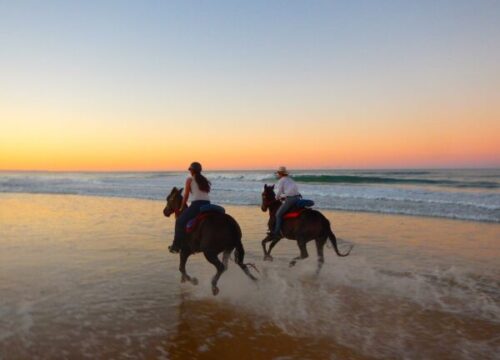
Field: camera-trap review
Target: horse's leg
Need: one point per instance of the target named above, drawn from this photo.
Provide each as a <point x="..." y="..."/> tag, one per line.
<point x="267" y="256"/>
<point x="182" y="267"/>
<point x="239" y="256"/>
<point x="273" y="243"/>
<point x="303" y="252"/>
<point x="320" y="243"/>
<point x="214" y="260"/>
<point x="225" y="257"/>
<point x="245" y="269"/>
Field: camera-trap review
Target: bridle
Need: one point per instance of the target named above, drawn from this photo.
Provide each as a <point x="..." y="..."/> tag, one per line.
<point x="177" y="211"/>
<point x="267" y="200"/>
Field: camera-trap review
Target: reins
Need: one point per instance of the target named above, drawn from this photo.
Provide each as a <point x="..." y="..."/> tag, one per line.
<point x="269" y="203"/>
<point x="178" y="211"/>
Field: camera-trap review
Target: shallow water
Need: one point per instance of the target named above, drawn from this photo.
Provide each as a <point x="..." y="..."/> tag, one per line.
<point x="91" y="277"/>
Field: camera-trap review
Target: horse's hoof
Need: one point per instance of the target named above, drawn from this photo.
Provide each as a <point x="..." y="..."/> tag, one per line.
<point x="194" y="281"/>
<point x="268" y="258"/>
<point x="292" y="263"/>
<point x="215" y="290"/>
<point x="183" y="279"/>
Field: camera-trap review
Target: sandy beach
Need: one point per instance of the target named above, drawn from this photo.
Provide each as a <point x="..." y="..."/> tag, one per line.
<point x="91" y="277"/>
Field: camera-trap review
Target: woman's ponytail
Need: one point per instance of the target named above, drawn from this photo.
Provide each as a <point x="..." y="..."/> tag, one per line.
<point x="202" y="182"/>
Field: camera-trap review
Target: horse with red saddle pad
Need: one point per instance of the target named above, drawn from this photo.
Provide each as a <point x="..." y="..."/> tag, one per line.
<point x="301" y="223"/>
<point x="293" y="214"/>
<point x="212" y="232"/>
<point x="193" y="223"/>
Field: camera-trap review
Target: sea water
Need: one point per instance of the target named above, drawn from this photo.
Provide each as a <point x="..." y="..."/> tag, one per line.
<point x="472" y="194"/>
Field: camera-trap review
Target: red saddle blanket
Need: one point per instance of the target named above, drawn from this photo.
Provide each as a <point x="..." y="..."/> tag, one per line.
<point x="293" y="214"/>
<point x="193" y="223"/>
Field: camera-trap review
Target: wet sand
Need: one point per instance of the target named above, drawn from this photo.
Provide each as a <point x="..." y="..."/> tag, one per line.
<point x="91" y="277"/>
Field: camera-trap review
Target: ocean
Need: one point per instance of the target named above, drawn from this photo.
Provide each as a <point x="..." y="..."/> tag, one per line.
<point x="471" y="194"/>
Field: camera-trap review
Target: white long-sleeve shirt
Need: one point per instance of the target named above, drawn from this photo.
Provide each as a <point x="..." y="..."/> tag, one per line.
<point x="286" y="187"/>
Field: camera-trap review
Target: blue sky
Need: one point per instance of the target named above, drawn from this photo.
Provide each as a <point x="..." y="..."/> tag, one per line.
<point x="319" y="64"/>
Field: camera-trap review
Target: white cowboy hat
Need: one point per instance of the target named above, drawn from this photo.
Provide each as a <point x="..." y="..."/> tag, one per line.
<point x="282" y="170"/>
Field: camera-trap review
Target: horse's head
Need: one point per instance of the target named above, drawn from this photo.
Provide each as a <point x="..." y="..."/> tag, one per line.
<point x="268" y="196"/>
<point x="174" y="201"/>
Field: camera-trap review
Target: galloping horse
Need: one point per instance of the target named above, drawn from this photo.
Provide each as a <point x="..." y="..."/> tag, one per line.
<point x="216" y="233"/>
<point x="308" y="225"/>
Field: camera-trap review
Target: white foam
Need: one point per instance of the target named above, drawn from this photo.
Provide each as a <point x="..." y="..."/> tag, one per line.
<point x="354" y="301"/>
<point x="245" y="188"/>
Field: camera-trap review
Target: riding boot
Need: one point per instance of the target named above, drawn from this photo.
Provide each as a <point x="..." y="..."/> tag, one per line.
<point x="180" y="233"/>
<point x="174" y="248"/>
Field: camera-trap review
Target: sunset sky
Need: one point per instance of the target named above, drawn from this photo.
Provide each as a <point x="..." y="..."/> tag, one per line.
<point x="154" y="85"/>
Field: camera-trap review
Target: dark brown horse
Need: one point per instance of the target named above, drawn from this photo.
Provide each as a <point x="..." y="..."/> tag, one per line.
<point x="309" y="225"/>
<point x="216" y="233"/>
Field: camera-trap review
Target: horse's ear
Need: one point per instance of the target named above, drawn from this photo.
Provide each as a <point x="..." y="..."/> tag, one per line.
<point x="265" y="186"/>
<point x="180" y="190"/>
<point x="272" y="187"/>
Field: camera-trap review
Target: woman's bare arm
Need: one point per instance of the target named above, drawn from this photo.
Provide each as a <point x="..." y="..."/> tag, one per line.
<point x="187" y="191"/>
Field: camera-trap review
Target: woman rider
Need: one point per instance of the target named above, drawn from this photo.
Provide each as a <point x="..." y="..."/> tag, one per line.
<point x="197" y="188"/>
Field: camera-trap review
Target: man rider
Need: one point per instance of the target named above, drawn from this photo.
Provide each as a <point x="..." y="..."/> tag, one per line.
<point x="288" y="193"/>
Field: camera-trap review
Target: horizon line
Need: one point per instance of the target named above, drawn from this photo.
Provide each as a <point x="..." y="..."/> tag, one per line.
<point x="257" y="169"/>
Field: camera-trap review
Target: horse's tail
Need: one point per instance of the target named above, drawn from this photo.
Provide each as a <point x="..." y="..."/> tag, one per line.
<point x="333" y="240"/>
<point x="236" y="227"/>
<point x="239" y="255"/>
<point x="239" y="252"/>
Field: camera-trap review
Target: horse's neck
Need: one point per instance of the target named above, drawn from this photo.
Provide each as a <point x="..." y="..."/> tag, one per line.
<point x="273" y="208"/>
<point x="178" y="211"/>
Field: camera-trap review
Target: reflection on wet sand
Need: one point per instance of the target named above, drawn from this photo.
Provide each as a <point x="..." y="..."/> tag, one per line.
<point x="209" y="329"/>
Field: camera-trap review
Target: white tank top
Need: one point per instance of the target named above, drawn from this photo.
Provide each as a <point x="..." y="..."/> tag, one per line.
<point x="196" y="193"/>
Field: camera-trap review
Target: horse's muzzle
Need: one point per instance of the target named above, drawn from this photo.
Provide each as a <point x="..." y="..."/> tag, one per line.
<point x="167" y="212"/>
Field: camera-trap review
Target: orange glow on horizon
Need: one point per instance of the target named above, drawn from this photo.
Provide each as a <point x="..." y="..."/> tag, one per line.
<point x="354" y="151"/>
<point x="424" y="139"/>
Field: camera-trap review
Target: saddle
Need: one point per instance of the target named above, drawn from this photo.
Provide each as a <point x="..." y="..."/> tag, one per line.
<point x="300" y="206"/>
<point x="205" y="211"/>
